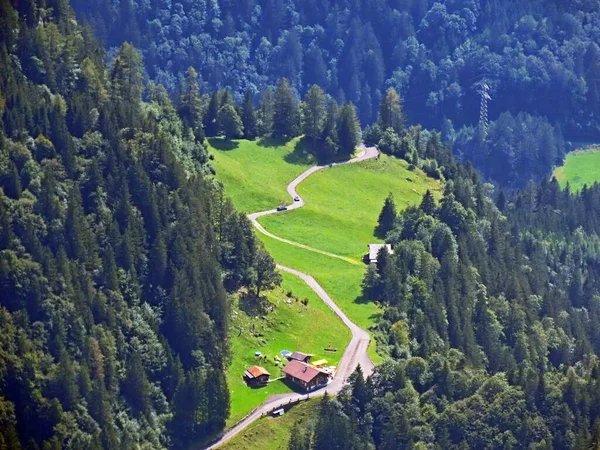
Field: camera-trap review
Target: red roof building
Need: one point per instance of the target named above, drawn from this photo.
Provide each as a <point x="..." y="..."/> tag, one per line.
<point x="305" y="376"/>
<point x="256" y="375"/>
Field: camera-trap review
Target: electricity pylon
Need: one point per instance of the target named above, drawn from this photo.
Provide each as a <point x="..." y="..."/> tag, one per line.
<point x="484" y="90"/>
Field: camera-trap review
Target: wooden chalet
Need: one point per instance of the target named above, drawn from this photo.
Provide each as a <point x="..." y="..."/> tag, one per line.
<point x="306" y="377"/>
<point x="299" y="356"/>
<point x="256" y="376"/>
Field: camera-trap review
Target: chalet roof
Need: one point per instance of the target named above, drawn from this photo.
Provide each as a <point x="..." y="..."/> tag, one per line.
<point x="374" y="250"/>
<point x="301" y="371"/>
<point x="256" y="371"/>
<point x="298" y="356"/>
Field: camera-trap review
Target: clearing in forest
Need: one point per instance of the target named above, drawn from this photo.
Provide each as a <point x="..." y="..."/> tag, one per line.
<point x="278" y="322"/>
<point x="580" y="167"/>
<point x="342" y="206"/>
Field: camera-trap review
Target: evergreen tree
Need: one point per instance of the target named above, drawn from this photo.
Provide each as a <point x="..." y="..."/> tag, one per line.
<point x="428" y="203"/>
<point x="285" y="111"/>
<point x="390" y="112"/>
<point x="348" y="129"/>
<point x="230" y="123"/>
<point x="387" y="216"/>
<point x="248" y="117"/>
<point x="190" y="103"/>
<point x="211" y="117"/>
<point x="127" y="85"/>
<point x="135" y="386"/>
<point x="265" y="113"/>
<point x="313" y="109"/>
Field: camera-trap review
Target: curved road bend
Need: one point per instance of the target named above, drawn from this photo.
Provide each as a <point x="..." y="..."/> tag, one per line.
<point x="356" y="351"/>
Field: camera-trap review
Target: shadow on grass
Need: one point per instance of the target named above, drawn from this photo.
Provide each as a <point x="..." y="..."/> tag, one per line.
<point x="362" y="300"/>
<point x="223" y="144"/>
<point x="270" y="142"/>
<point x="253" y="305"/>
<point x="301" y="154"/>
<point x="293" y="386"/>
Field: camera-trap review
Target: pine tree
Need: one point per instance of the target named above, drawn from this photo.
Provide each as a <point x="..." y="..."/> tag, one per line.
<point x="390" y="112"/>
<point x="387" y="217"/>
<point x="248" y="117"/>
<point x="348" y="129"/>
<point x="428" y="203"/>
<point x="127" y="85"/>
<point x="265" y="113"/>
<point x="136" y="387"/>
<point x="190" y="103"/>
<point x="230" y="123"/>
<point x="313" y="109"/>
<point x="266" y="275"/>
<point x="285" y="111"/>
<point x="210" y="121"/>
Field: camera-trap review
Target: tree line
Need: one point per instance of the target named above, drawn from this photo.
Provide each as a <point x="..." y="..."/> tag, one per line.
<point x="539" y="58"/>
<point x="117" y="252"/>
<point x="489" y="326"/>
<point x="329" y="129"/>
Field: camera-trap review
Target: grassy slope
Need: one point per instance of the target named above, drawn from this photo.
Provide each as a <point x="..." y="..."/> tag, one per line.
<point x="287" y="327"/>
<point x="346" y="198"/>
<point x="273" y="433"/>
<point x="255" y="174"/>
<point x="580" y="167"/>
<point x="344" y="202"/>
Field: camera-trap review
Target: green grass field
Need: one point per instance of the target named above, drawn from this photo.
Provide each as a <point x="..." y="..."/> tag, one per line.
<point x="290" y="325"/>
<point x="344" y="202"/>
<point x="271" y="433"/>
<point x="580" y="167"/>
<point x="256" y="173"/>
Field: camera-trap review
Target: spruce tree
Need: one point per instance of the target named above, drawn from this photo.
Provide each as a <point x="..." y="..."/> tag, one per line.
<point x="190" y="103"/>
<point x="248" y="117"/>
<point x="264" y="115"/>
<point x="390" y="112"/>
<point x="210" y="121"/>
<point x="348" y="129"/>
<point x="428" y="203"/>
<point x="285" y="111"/>
<point x="230" y="123"/>
<point x="313" y="109"/>
<point x="387" y="216"/>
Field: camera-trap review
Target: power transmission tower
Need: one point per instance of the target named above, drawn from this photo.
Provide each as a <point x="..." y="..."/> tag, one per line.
<point x="484" y="90"/>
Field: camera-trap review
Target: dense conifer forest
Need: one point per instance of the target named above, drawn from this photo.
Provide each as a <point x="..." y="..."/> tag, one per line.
<point x="491" y="324"/>
<point x="115" y="250"/>
<point x="119" y="251"/>
<point x="540" y="58"/>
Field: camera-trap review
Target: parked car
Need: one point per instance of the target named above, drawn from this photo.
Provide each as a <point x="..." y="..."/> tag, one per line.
<point x="281" y="208"/>
<point x="296" y="198"/>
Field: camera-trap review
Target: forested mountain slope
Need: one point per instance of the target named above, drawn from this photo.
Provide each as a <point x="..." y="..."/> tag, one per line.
<point x="491" y="324"/>
<point x="114" y="249"/>
<point x="539" y="57"/>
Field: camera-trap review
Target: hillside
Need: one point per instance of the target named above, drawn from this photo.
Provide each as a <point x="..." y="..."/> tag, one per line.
<point x="344" y="202"/>
<point x="281" y="323"/>
<point x="114" y="313"/>
<point x="581" y="167"/>
<point x="345" y="198"/>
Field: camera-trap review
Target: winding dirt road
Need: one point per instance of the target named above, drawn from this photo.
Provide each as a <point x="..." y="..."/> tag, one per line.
<point x="356" y="351"/>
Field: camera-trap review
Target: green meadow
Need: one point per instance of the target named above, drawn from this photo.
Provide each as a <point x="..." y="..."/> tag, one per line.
<point x="279" y="322"/>
<point x="344" y="202"/>
<point x="273" y="433"/>
<point x="342" y="206"/>
<point x="580" y="167"/>
<point x="256" y="173"/>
